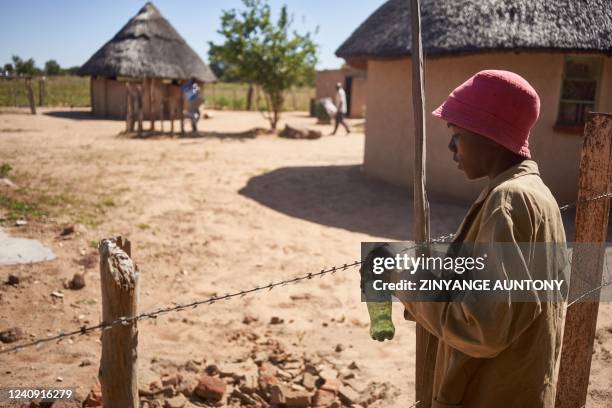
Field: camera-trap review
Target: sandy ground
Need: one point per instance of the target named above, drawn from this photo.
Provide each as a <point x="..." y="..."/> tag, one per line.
<point x="213" y="214"/>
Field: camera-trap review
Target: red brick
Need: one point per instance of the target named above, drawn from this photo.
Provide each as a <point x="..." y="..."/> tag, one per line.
<point x="210" y="388"/>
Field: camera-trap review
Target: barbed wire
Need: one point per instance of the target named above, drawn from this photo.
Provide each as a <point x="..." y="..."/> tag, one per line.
<point x="126" y="321"/>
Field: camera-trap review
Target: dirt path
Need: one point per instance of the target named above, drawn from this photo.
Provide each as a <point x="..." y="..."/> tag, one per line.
<point x="210" y="215"/>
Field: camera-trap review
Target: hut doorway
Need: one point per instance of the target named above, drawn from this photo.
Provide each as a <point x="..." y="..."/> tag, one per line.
<point x="348" y="88"/>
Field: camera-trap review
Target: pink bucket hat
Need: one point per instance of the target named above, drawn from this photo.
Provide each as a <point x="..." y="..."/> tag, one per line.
<point x="500" y="105"/>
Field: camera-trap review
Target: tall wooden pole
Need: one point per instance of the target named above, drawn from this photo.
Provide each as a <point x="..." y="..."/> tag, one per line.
<point x="129" y="104"/>
<point x="41" y="91"/>
<point x="151" y="101"/>
<point x="119" y="359"/>
<point x="140" y="98"/>
<point x="182" y="112"/>
<point x="587" y="261"/>
<point x="28" y="84"/>
<point x="426" y="344"/>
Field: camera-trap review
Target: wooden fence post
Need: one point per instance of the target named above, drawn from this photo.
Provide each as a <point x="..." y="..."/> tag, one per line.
<point x="119" y="360"/>
<point x="140" y="98"/>
<point x="587" y="261"/>
<point x="42" y="91"/>
<point x="172" y="114"/>
<point x="426" y="343"/>
<point x="162" y="106"/>
<point x="182" y="112"/>
<point x="151" y="100"/>
<point x="129" y="104"/>
<point x="28" y="84"/>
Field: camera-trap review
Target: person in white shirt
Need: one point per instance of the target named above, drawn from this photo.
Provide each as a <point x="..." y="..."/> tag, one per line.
<point x="341" y="109"/>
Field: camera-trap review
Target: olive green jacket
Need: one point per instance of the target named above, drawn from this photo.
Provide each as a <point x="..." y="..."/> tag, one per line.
<point x="506" y="354"/>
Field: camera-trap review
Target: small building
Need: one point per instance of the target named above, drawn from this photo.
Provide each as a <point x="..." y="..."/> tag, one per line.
<point x="562" y="47"/>
<point x="354" y="83"/>
<point x="146" y="51"/>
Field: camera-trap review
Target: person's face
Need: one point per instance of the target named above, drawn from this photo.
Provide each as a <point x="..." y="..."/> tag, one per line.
<point x="472" y="152"/>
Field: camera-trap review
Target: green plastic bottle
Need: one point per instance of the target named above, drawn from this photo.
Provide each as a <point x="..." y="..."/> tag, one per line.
<point x="381" y="323"/>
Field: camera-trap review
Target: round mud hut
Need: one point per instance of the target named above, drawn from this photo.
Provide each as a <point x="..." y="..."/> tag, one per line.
<point x="562" y="47"/>
<point x="141" y="68"/>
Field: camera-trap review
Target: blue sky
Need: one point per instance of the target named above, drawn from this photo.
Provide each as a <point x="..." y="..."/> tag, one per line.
<point x="70" y="31"/>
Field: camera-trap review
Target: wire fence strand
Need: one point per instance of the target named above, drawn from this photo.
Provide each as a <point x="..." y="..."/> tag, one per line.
<point x="124" y="321"/>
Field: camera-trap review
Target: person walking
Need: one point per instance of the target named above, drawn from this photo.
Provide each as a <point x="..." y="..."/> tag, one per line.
<point x="193" y="100"/>
<point x="340" y="109"/>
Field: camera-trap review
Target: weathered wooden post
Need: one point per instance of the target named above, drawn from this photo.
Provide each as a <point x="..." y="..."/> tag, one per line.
<point x="140" y="98"/>
<point x="182" y="112"/>
<point x="129" y="104"/>
<point x="28" y="84"/>
<point x="587" y="261"/>
<point x="172" y="115"/>
<point x="42" y="91"/>
<point x="119" y="361"/>
<point x="426" y="343"/>
<point x="151" y="99"/>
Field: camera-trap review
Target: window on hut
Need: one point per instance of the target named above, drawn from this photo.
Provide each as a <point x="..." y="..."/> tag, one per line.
<point x="579" y="90"/>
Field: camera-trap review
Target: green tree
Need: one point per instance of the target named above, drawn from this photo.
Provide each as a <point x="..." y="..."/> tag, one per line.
<point x="8" y="68"/>
<point x="52" y="68"/>
<point x="71" y="70"/>
<point x="265" y="53"/>
<point x="24" y="67"/>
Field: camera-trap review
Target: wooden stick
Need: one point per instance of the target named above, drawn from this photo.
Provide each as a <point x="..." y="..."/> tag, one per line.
<point x="128" y="108"/>
<point x="119" y="361"/>
<point x="28" y="84"/>
<point x="182" y="112"/>
<point x="151" y="99"/>
<point x="140" y="107"/>
<point x="587" y="261"/>
<point x="162" y="106"/>
<point x="41" y="91"/>
<point x="172" y="114"/>
<point x="426" y="343"/>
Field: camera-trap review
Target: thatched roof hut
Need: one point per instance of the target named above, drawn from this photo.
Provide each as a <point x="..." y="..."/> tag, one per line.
<point x="461" y="27"/>
<point x="146" y="48"/>
<point x="562" y="47"/>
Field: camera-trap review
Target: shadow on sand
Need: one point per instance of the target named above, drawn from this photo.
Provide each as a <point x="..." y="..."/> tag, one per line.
<point x="341" y="197"/>
<point x="77" y="115"/>
<point x="147" y="134"/>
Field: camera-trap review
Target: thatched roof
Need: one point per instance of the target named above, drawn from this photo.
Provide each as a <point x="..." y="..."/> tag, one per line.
<point x="147" y="46"/>
<point x="454" y="27"/>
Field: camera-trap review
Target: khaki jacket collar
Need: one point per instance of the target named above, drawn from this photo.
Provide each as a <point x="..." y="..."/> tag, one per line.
<point x="518" y="170"/>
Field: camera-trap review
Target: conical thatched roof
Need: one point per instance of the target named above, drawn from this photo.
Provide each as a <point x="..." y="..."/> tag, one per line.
<point x="452" y="27"/>
<point x="147" y="46"/>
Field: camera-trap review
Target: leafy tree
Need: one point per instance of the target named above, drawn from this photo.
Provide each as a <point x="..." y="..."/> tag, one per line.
<point x="218" y="67"/>
<point x="265" y="53"/>
<point x="27" y="67"/>
<point x="52" y="68"/>
<point x="71" y="70"/>
<point x="8" y="68"/>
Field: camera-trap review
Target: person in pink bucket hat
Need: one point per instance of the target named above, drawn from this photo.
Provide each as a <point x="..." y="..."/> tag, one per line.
<point x="494" y="353"/>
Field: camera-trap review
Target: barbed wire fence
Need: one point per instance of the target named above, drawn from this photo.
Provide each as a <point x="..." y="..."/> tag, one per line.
<point x="153" y="314"/>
